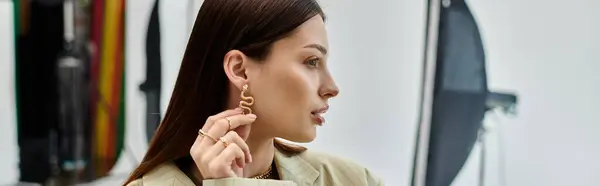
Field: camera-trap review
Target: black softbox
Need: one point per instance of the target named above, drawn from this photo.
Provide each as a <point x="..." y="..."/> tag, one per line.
<point x="459" y="94"/>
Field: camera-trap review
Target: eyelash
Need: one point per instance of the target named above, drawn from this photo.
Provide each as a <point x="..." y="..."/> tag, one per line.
<point x="316" y="61"/>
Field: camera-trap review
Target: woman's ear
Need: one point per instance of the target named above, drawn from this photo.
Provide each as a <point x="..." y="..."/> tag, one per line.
<point x="235" y="65"/>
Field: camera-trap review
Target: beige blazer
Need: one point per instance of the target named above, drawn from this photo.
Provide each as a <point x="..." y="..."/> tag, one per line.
<point x="304" y="169"/>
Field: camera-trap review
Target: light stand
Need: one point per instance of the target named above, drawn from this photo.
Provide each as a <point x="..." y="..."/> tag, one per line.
<point x="505" y="102"/>
<point x="69" y="159"/>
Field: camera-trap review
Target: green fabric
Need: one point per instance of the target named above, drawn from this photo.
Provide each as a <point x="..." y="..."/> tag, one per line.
<point x="17" y="13"/>
<point x="121" y="120"/>
<point x="122" y="106"/>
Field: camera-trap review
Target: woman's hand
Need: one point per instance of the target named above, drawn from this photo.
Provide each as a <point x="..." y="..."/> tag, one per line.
<point x="222" y="152"/>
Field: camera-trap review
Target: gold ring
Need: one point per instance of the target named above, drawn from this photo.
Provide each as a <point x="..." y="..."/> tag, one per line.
<point x="202" y="133"/>
<point x="225" y="143"/>
<point x="228" y="122"/>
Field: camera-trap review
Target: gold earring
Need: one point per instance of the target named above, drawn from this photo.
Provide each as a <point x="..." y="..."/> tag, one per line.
<point x="247" y="101"/>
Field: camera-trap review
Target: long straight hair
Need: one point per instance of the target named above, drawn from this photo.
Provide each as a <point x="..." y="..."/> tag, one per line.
<point x="251" y="26"/>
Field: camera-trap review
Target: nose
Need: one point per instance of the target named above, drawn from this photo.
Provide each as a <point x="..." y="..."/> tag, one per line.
<point x="329" y="89"/>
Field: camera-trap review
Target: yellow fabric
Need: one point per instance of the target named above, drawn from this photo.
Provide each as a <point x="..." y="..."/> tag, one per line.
<point x="305" y="169"/>
<point x="107" y="68"/>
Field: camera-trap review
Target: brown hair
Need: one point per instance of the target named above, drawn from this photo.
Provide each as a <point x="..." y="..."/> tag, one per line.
<point x="251" y="26"/>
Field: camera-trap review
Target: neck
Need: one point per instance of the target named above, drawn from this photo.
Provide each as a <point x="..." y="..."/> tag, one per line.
<point x="263" y="151"/>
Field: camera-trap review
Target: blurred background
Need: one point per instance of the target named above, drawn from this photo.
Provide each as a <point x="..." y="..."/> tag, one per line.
<point x="442" y="92"/>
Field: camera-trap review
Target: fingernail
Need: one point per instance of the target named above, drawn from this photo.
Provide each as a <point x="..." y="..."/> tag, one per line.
<point x="252" y="116"/>
<point x="238" y="109"/>
<point x="250" y="158"/>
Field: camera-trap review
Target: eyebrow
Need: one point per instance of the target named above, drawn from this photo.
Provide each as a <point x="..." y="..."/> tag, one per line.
<point x="321" y="48"/>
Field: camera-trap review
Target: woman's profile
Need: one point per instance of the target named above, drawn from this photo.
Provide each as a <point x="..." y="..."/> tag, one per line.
<point x="253" y="71"/>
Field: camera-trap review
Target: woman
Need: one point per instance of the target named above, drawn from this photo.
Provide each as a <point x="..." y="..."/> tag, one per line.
<point x="253" y="70"/>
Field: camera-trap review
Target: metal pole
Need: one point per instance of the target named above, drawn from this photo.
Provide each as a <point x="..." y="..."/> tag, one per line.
<point x="72" y="94"/>
<point x="424" y="127"/>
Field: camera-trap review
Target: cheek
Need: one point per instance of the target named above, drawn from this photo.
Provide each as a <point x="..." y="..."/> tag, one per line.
<point x="294" y="86"/>
<point x="287" y="93"/>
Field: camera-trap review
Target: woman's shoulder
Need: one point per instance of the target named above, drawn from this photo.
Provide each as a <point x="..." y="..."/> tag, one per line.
<point x="167" y="174"/>
<point x="136" y="182"/>
<point x="321" y="159"/>
<point x="335" y="166"/>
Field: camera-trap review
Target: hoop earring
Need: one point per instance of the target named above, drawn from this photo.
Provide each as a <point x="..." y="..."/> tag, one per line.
<point x="247" y="101"/>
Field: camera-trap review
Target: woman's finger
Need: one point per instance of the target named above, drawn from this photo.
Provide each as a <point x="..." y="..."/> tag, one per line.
<point x="209" y="123"/>
<point x="232" y="152"/>
<point x="222" y="126"/>
<point x="214" y="118"/>
<point x="229" y="138"/>
<point x="197" y="147"/>
<point x="234" y="137"/>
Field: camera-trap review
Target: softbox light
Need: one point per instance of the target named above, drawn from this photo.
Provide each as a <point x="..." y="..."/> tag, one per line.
<point x="459" y="95"/>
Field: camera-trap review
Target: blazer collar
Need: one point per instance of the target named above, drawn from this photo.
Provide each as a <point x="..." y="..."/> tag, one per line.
<point x="290" y="167"/>
<point x="293" y="167"/>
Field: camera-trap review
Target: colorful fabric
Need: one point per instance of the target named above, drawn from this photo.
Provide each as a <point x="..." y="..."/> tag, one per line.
<point x="108" y="78"/>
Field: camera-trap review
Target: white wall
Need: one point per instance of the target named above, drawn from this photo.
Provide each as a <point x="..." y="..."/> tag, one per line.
<point x="548" y="51"/>
<point x="8" y="130"/>
<point x="376" y="60"/>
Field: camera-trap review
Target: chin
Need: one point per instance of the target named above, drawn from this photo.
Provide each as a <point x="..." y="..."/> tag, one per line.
<point x="306" y="136"/>
<point x="306" y="139"/>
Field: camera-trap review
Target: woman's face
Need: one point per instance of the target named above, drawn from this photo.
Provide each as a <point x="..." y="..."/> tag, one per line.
<point x="292" y="86"/>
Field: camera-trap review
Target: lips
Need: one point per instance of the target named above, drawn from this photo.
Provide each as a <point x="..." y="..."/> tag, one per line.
<point x="318" y="115"/>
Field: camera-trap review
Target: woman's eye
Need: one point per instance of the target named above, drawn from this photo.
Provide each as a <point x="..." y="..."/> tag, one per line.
<point x="313" y="62"/>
